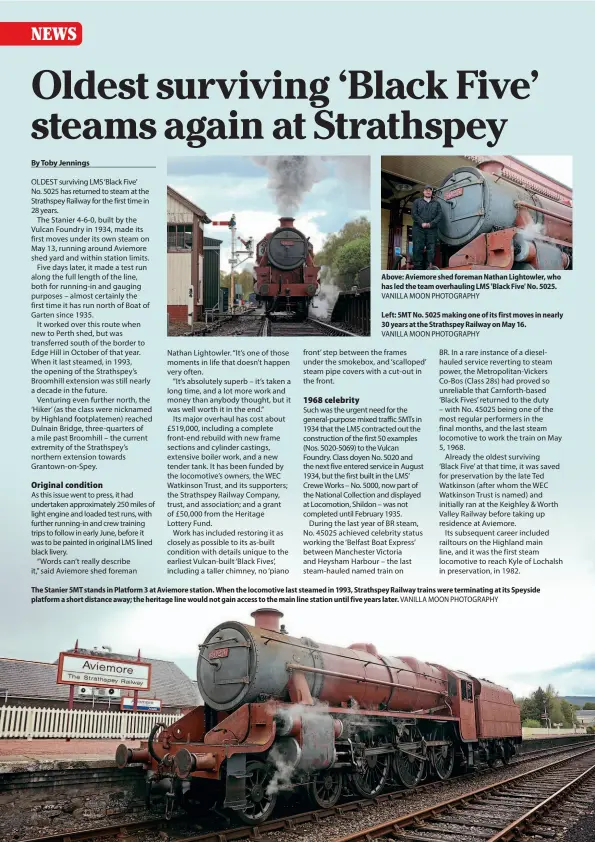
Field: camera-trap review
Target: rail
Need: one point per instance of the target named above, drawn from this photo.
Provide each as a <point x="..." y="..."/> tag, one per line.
<point x="287" y="823"/>
<point x="427" y="818"/>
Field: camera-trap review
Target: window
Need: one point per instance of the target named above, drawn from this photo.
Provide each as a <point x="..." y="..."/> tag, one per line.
<point x="467" y="691"/>
<point x="179" y="237"/>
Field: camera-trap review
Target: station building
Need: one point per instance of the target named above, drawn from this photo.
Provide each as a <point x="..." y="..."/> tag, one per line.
<point x="185" y="257"/>
<point x="33" y="684"/>
<point x="586" y="717"/>
<point x="402" y="181"/>
<point x="212" y="274"/>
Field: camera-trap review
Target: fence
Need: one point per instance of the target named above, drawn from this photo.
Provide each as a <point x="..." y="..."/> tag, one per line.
<point x="538" y="733"/>
<point x="33" y="723"/>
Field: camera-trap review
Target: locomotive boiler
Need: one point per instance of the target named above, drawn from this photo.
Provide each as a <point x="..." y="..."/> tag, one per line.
<point x="283" y="712"/>
<point x="285" y="277"/>
<point x="493" y="217"/>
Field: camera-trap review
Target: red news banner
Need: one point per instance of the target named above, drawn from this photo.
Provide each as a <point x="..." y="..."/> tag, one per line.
<point x="40" y="34"/>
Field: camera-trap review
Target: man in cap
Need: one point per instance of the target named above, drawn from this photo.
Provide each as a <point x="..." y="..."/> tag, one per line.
<point x="426" y="215"/>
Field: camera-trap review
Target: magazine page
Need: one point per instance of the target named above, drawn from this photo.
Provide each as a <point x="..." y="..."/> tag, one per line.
<point x="297" y="508"/>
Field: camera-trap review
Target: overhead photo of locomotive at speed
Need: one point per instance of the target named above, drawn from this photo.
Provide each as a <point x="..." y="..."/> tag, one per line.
<point x="476" y="212"/>
<point x="268" y="246"/>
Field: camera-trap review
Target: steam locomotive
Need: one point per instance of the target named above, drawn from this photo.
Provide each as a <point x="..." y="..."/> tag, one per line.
<point x="283" y="712"/>
<point x="492" y="217"/>
<point x="285" y="277"/>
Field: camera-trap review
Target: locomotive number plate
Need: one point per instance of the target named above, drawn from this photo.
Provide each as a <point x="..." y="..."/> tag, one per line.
<point x="287" y="242"/>
<point x="219" y="653"/>
<point x="452" y="193"/>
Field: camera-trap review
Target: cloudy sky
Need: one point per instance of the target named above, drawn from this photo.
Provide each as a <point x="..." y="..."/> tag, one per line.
<point x="556" y="166"/>
<point x="224" y="185"/>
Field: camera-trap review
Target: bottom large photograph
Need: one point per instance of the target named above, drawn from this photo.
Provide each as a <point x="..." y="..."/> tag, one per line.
<point x="285" y="736"/>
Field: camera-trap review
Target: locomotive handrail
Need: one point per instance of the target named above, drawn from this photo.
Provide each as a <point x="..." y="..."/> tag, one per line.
<point x="359" y="679"/>
<point x="354" y="658"/>
<point x="567" y="219"/>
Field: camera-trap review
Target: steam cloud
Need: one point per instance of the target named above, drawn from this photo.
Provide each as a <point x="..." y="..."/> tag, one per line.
<point x="281" y="780"/>
<point x="284" y="774"/>
<point x="529" y="232"/>
<point x="292" y="176"/>
<point x="323" y="304"/>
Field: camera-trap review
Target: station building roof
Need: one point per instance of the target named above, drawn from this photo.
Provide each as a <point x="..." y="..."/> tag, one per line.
<point x="190" y="206"/>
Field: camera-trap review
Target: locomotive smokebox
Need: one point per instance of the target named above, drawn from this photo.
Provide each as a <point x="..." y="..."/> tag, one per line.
<point x="267" y="618"/>
<point x="286" y="222"/>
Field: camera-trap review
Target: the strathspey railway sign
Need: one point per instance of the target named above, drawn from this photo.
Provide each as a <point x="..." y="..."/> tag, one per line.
<point x="102" y="672"/>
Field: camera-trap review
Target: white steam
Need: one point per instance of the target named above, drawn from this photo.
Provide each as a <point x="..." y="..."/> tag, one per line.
<point x="281" y="780"/>
<point x="529" y="232"/>
<point x="292" y="176"/>
<point x="285" y="770"/>
<point x="323" y="303"/>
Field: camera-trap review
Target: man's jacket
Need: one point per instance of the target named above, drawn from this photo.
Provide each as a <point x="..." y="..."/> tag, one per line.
<point x="423" y="211"/>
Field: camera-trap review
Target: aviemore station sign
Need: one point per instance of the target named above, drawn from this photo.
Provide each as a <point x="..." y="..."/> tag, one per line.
<point x="103" y="672"/>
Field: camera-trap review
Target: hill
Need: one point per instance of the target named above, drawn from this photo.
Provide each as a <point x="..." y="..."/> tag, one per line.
<point x="579" y="700"/>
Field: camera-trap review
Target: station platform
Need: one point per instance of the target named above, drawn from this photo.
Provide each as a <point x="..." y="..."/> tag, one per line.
<point x="22" y="753"/>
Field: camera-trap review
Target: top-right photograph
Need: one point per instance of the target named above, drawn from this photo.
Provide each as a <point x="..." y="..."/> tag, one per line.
<point x="476" y="212"/>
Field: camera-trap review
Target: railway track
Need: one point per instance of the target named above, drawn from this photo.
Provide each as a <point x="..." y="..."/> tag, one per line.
<point x="241" y="324"/>
<point x="307" y="328"/>
<point x="289" y="822"/>
<point x="252" y="324"/>
<point x="500" y="812"/>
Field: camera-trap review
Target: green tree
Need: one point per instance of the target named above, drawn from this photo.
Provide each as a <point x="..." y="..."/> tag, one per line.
<point x="353" y="256"/>
<point x="353" y="230"/>
<point x="547" y="703"/>
<point x="588" y="706"/>
<point x="244" y="278"/>
<point x="569" y="713"/>
<point x="531" y="723"/>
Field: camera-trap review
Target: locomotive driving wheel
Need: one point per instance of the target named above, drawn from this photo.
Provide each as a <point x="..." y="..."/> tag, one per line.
<point x="443" y="758"/>
<point x="325" y="788"/>
<point x="409" y="769"/>
<point x="372" y="771"/>
<point x="261" y="796"/>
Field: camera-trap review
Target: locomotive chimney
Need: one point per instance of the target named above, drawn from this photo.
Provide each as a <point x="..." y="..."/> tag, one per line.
<point x="286" y="222"/>
<point x="267" y="618"/>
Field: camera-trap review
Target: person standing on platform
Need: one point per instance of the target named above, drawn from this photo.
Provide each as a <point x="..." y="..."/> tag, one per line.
<point x="426" y="213"/>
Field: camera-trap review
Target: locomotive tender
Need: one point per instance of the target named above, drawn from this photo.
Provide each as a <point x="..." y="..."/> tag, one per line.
<point x="283" y="712"/>
<point x="494" y="217"/>
<point x="285" y="277"/>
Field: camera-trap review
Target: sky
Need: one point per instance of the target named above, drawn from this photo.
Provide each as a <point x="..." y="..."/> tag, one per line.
<point x="556" y="166"/>
<point x="224" y="185"/>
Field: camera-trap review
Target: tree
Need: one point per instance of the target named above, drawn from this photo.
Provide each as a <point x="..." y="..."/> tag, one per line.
<point x="353" y="256"/>
<point x="244" y="278"/>
<point x="588" y="706"/>
<point x="547" y="703"/>
<point x="531" y="723"/>
<point x="354" y="230"/>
